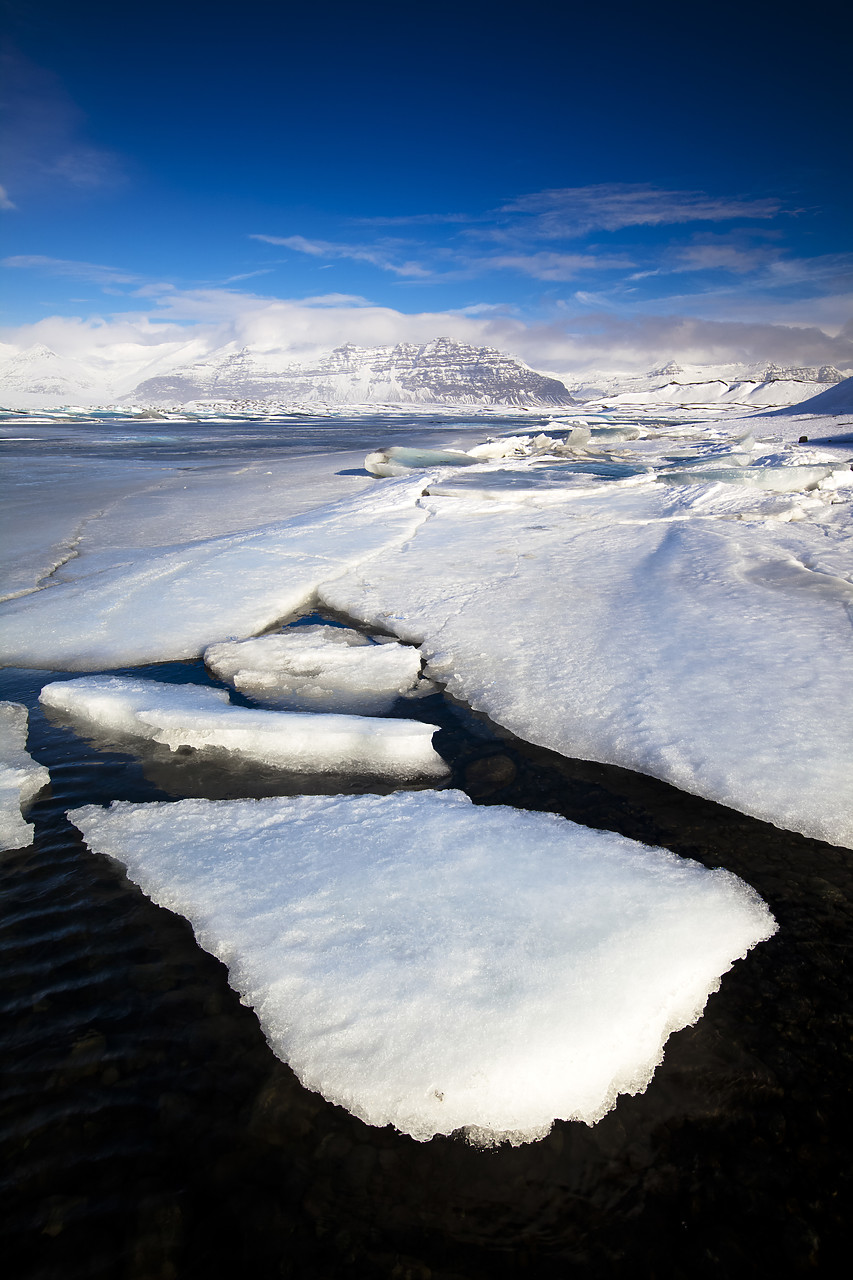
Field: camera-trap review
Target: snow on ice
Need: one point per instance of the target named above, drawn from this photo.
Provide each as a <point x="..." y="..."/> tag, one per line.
<point x="320" y="668"/>
<point x="434" y="965"/>
<point x="203" y="718"/>
<point x="21" y="779"/>
<point x="675" y="599"/>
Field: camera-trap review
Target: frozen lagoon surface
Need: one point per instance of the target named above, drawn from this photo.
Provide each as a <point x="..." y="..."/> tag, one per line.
<point x="439" y="966"/>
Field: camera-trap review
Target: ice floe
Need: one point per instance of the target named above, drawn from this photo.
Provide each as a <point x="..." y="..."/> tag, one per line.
<point x="320" y="668"/>
<point x="438" y="966"/>
<point x="21" y="779"/>
<point x="180" y="716"/>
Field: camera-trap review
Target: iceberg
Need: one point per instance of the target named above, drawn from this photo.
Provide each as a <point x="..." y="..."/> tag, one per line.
<point x="21" y="779"/>
<point x="438" y="966"/>
<point x="194" y="716"/>
<point x="320" y="668"/>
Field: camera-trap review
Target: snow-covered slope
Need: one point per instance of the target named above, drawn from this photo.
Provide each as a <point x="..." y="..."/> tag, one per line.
<point x="439" y="372"/>
<point x="837" y="399"/>
<point x="760" y="386"/>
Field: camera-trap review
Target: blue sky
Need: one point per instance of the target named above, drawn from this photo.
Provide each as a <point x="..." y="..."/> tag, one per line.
<point x="590" y="187"/>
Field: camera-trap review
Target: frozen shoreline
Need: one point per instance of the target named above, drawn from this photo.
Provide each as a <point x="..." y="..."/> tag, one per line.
<point x="695" y="631"/>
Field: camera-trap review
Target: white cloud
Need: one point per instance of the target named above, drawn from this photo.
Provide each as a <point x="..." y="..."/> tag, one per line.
<point x="5" y="202"/>
<point x="188" y="324"/>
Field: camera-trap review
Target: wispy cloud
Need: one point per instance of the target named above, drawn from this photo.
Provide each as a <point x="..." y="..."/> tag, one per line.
<point x="571" y="212"/>
<point x="94" y="271"/>
<point x="378" y="255"/>
<point x="5" y="202"/>
<point x="551" y="266"/>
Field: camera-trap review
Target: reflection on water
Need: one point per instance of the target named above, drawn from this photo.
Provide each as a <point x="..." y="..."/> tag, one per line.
<point x="149" y="1132"/>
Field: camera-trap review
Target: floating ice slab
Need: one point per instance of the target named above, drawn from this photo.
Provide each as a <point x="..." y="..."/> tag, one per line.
<point x="399" y="460"/>
<point x="437" y="966"/>
<point x="319" y="668"/>
<point x="21" y="778"/>
<point x="202" y="718"/>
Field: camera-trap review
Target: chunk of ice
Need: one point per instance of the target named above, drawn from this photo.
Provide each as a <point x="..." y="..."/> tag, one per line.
<point x="319" y="668"/>
<point x="434" y="965"/>
<point x="21" y="779"/>
<point x="778" y="479"/>
<point x="399" y="460"/>
<point x="200" y="717"/>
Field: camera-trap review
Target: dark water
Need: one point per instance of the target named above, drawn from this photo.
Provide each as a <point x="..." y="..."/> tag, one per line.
<point x="148" y="1131"/>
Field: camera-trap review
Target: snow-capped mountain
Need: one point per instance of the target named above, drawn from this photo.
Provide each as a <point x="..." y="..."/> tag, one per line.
<point x="442" y="372"/>
<point x="760" y="386"/>
<point x="38" y="377"/>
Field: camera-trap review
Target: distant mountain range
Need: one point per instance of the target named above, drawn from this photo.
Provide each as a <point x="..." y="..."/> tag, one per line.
<point x="442" y="373"/>
<point x="758" y="386"/>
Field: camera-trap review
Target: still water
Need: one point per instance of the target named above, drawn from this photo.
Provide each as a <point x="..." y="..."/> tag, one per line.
<point x="149" y="1133"/>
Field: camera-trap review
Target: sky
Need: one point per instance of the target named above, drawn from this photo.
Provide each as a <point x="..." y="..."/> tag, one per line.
<point x="584" y="186"/>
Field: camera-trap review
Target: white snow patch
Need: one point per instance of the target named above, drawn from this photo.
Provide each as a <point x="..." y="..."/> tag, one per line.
<point x="202" y="718"/>
<point x="21" y="779"/>
<point x="320" y="668"/>
<point x="434" y="965"/>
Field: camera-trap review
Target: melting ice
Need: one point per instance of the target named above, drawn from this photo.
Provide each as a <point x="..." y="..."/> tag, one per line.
<point x="203" y="718"/>
<point x="434" y="965"/>
<point x="320" y="668"/>
<point x="21" y="779"/>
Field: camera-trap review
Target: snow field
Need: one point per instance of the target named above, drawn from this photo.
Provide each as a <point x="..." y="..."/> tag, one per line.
<point x="21" y="779"/>
<point x="434" y="965"/>
<point x="203" y="718"/>
<point x="320" y="668"/>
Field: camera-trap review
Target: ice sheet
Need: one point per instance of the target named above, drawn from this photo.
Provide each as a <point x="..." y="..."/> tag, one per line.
<point x="320" y="668"/>
<point x="637" y="626"/>
<point x="437" y="966"/>
<point x="21" y="778"/>
<point x="153" y="604"/>
<point x="180" y="716"/>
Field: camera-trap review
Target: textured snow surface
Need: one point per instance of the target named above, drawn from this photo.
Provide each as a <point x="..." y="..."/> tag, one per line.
<point x="202" y="718"/>
<point x="21" y="778"/>
<point x="319" y="668"/>
<point x="434" y="965"/>
<point x="699" y="634"/>
<point x="125" y="608"/>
